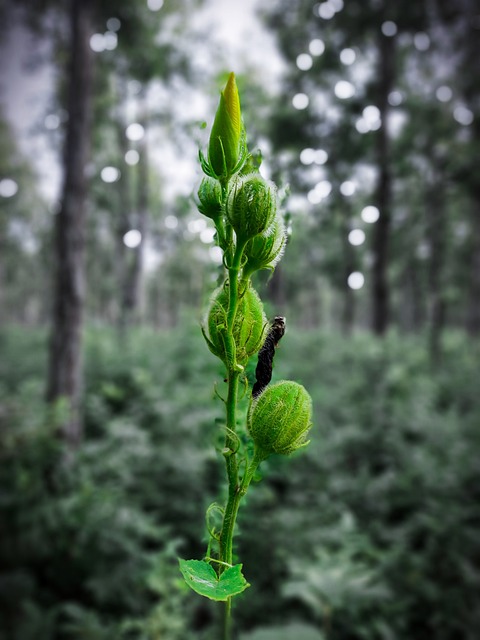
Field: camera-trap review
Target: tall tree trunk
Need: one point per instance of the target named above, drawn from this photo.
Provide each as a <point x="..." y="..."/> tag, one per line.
<point x="435" y="208"/>
<point x="65" y="359"/>
<point x="3" y="314"/>
<point x="121" y="227"/>
<point x="380" y="286"/>
<point x="473" y="320"/>
<point x="348" y="311"/>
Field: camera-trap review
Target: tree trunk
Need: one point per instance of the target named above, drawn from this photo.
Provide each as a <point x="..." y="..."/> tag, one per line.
<point x="348" y="311"/>
<point x="65" y="359"/>
<point x="121" y="227"/>
<point x="380" y="286"/>
<point x="473" y="320"/>
<point x="435" y="208"/>
<point x="470" y="88"/>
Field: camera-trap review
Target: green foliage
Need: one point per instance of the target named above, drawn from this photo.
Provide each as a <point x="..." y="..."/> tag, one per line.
<point x="83" y="544"/>
<point x="371" y="532"/>
<point x="297" y="631"/>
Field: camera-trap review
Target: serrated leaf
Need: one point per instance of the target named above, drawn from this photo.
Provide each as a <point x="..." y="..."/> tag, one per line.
<point x="201" y="577"/>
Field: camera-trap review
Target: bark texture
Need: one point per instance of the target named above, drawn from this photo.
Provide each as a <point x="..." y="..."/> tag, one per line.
<point x="65" y="359"/>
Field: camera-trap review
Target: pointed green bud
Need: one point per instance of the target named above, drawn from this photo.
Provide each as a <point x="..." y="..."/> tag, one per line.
<point x="225" y="138"/>
<point x="265" y="250"/>
<point x="210" y="197"/>
<point x="251" y="205"/>
<point x="280" y="418"/>
<point x="248" y="329"/>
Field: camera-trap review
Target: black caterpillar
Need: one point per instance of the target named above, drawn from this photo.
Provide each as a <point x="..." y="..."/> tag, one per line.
<point x="263" y="372"/>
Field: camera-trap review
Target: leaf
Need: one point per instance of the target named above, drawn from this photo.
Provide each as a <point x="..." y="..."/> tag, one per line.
<point x="201" y="577"/>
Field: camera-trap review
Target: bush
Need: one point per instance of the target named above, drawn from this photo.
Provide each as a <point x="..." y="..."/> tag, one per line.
<point x="374" y="530"/>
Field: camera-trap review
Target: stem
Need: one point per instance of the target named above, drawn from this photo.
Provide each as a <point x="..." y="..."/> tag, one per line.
<point x="233" y="284"/>
<point x="234" y="489"/>
<point x="235" y="495"/>
<point x="227" y="620"/>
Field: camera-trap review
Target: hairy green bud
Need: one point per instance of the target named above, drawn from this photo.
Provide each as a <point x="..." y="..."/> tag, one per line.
<point x="265" y="250"/>
<point x="280" y="418"/>
<point x="248" y="329"/>
<point x="251" y="206"/>
<point x="224" y="148"/>
<point x="210" y="196"/>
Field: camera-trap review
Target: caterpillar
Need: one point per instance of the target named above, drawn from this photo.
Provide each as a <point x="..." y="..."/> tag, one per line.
<point x="263" y="372"/>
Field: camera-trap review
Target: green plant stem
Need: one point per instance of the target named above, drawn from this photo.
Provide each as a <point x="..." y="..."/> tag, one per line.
<point x="233" y="272"/>
<point x="235" y="495"/>
<point x="227" y="619"/>
<point x="232" y="471"/>
<point x="231" y="412"/>
<point x="234" y="489"/>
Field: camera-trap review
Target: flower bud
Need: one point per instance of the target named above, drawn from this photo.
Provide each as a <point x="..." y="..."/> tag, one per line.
<point x="225" y="137"/>
<point x="249" y="326"/>
<point x="251" y="205"/>
<point x="265" y="250"/>
<point x="280" y="418"/>
<point x="210" y="196"/>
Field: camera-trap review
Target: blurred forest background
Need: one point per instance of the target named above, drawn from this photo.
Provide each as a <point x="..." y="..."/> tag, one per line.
<point x="367" y="112"/>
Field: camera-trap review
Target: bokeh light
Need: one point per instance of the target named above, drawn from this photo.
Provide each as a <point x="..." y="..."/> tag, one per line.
<point x="344" y="89"/>
<point x="370" y="214"/>
<point x="8" y="188"/>
<point x="389" y="28"/>
<point x="304" y="62"/>
<point x="421" y="41"/>
<point x="132" y="238"/>
<point x="356" y="237"/>
<point x="316" y="47"/>
<point x="321" y="191"/>
<point x="347" y="56"/>
<point x="52" y="121"/>
<point x="356" y="280"/>
<point x="347" y="188"/>
<point x="444" y="93"/>
<point x="155" y="5"/>
<point x="171" y="222"/>
<point x="395" y="98"/>
<point x="463" y="115"/>
<point x="300" y="101"/>
<point x="135" y="132"/>
<point x="132" y="157"/>
<point x="110" y="174"/>
<point x="113" y="24"/>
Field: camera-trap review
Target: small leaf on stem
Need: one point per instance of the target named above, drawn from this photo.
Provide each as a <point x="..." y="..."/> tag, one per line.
<point x="201" y="577"/>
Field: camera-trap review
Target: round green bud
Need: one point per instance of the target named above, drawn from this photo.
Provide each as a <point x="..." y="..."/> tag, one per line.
<point x="249" y="326"/>
<point x="265" y="250"/>
<point x="210" y="196"/>
<point x="280" y="418"/>
<point x="251" y="205"/>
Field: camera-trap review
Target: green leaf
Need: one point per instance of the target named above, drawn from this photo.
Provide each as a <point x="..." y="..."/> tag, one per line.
<point x="201" y="577"/>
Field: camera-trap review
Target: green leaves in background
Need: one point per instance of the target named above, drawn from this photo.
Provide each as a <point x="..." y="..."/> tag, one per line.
<point x="201" y="577"/>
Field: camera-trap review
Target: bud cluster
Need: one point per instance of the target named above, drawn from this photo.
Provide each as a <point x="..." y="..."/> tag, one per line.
<point x="250" y="231"/>
<point x="243" y="205"/>
<point x="235" y="195"/>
